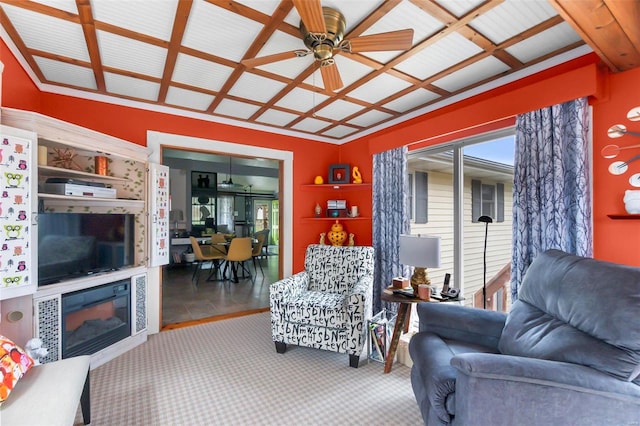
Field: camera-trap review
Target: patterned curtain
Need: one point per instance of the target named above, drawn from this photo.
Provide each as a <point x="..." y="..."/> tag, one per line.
<point x="551" y="191"/>
<point x="390" y="219"/>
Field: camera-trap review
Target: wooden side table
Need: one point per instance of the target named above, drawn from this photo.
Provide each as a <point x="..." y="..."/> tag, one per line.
<point x="402" y="322"/>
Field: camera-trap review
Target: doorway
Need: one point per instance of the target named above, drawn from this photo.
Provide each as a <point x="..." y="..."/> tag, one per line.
<point x="281" y="226"/>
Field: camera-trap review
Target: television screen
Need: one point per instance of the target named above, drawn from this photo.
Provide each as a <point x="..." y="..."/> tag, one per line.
<point x="76" y="244"/>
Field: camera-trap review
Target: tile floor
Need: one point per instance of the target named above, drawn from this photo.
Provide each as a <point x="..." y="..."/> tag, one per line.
<point x="183" y="301"/>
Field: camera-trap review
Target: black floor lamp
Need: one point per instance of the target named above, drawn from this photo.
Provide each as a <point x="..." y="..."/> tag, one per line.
<point x="486" y="220"/>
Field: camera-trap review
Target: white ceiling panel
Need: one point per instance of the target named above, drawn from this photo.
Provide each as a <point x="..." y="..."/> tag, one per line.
<point x="203" y="31"/>
<point x="459" y="8"/>
<point x="142" y="58"/>
<point x="543" y="43"/>
<point x="511" y="18"/>
<point x="66" y="5"/>
<point x="188" y="99"/>
<point x="379" y="88"/>
<point x="278" y="118"/>
<point x="439" y="56"/>
<point x="63" y="38"/>
<point x="233" y="108"/>
<point x="131" y="87"/>
<point x="339" y="110"/>
<point x="370" y="118"/>
<point x="411" y="100"/>
<point x="340" y="131"/>
<point x="153" y="18"/>
<point x="301" y="100"/>
<point x="265" y="6"/>
<point x="256" y="88"/>
<point x="471" y="74"/>
<point x="200" y="73"/>
<point x="405" y="15"/>
<point x="311" y="125"/>
<point x="60" y="72"/>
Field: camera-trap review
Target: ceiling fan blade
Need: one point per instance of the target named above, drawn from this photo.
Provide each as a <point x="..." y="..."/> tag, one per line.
<point x="331" y="77"/>
<point x="393" y="40"/>
<point x="311" y="14"/>
<point x="256" y="62"/>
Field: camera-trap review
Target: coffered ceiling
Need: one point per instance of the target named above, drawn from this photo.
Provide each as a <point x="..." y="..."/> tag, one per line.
<point x="192" y="57"/>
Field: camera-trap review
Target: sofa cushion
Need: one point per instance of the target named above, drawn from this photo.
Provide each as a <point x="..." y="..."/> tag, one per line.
<point x="14" y="363"/>
<point x="577" y="310"/>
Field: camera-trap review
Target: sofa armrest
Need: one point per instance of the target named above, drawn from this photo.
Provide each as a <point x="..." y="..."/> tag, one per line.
<point x="458" y="322"/>
<point x="508" y="389"/>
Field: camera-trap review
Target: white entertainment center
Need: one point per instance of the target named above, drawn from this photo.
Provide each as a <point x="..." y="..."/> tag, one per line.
<point x="40" y="148"/>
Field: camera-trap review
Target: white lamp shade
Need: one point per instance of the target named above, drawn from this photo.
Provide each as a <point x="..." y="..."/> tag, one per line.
<point x="176" y="215"/>
<point x="420" y="251"/>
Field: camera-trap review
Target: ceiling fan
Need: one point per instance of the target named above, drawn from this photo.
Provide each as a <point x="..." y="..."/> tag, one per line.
<point x="322" y="30"/>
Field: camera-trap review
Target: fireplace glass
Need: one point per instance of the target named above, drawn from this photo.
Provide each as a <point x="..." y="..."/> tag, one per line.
<point x="95" y="318"/>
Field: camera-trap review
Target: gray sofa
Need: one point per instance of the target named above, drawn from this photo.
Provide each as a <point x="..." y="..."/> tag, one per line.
<point x="567" y="353"/>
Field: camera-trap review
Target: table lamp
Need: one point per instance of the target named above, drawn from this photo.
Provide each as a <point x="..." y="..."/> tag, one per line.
<point x="421" y="252"/>
<point x="176" y="216"/>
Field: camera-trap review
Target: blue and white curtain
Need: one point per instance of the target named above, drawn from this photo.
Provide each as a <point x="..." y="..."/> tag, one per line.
<point x="390" y="219"/>
<point x="551" y="191"/>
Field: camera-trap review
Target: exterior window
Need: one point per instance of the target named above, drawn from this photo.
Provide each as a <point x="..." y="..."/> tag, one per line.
<point x="422" y="197"/>
<point x="410" y="196"/>
<point x="487" y="200"/>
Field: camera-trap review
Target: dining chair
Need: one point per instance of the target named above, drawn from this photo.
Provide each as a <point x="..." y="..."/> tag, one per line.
<point x="239" y="252"/>
<point x="218" y="244"/>
<point x="256" y="253"/>
<point x="204" y="254"/>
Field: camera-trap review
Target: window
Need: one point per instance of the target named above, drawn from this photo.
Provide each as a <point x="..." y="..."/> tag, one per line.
<point x="487" y="200"/>
<point x="422" y="197"/>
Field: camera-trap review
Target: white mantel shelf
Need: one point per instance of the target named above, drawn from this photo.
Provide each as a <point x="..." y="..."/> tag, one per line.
<point x="88" y="281"/>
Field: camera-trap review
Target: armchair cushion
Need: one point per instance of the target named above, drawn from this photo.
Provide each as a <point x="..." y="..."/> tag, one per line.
<point x="317" y="308"/>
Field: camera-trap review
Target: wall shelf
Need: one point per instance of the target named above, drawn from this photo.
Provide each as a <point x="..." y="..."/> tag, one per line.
<point x="334" y="218"/>
<point x="68" y="173"/>
<point x="624" y="216"/>
<point x="337" y="186"/>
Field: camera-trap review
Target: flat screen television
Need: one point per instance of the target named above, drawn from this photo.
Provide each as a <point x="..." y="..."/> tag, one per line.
<point x="76" y="244"/>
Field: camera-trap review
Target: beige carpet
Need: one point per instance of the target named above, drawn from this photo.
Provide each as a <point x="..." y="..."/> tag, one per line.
<point x="228" y="373"/>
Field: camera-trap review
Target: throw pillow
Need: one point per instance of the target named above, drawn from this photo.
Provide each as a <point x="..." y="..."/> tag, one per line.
<point x="14" y="363"/>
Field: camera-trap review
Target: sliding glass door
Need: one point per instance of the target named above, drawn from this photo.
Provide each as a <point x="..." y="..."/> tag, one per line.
<point x="463" y="193"/>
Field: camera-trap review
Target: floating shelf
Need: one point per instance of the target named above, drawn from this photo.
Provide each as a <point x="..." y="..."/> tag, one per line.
<point x="624" y="216"/>
<point x="334" y="218"/>
<point x="337" y="186"/>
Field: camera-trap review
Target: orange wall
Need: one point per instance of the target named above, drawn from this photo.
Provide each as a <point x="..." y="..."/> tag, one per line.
<point x="611" y="96"/>
<point x="615" y="240"/>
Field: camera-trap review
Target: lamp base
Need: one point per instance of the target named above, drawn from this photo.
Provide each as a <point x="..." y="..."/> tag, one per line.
<point x="419" y="277"/>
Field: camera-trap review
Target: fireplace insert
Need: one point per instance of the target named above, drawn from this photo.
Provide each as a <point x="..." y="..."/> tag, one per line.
<point x="95" y="318"/>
